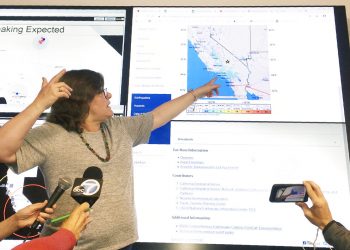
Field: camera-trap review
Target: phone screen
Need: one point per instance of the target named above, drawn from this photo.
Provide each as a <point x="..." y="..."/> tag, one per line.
<point x="288" y="193"/>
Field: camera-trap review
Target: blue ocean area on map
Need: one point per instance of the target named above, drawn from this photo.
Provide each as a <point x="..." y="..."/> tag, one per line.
<point x="197" y="74"/>
<point x="252" y="96"/>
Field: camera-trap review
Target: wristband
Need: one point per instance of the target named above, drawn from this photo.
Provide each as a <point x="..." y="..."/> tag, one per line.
<point x="191" y="91"/>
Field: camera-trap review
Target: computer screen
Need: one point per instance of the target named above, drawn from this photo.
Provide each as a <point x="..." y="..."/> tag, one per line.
<point x="280" y="117"/>
<point x="273" y="63"/>
<point x="38" y="42"/>
<point x="212" y="183"/>
<point x="204" y="179"/>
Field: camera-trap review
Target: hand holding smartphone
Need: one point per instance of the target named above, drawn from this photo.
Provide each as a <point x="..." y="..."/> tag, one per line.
<point x="288" y="193"/>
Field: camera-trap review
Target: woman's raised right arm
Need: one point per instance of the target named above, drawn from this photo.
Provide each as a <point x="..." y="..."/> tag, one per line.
<point x="13" y="132"/>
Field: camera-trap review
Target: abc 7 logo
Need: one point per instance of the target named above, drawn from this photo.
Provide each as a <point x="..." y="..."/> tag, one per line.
<point x="88" y="187"/>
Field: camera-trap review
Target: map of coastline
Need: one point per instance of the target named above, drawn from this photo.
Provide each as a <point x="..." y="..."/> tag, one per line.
<point x="237" y="55"/>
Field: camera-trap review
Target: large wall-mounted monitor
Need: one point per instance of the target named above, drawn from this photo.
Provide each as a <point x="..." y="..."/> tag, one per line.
<point x="204" y="180"/>
<point x="273" y="63"/>
<point x="38" y="42"/>
<point x="280" y="117"/>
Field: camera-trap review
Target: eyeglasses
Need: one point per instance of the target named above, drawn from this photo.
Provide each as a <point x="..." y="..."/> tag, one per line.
<point x="105" y="92"/>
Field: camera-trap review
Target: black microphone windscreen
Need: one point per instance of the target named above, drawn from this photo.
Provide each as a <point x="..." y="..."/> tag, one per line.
<point x="93" y="173"/>
<point x="65" y="183"/>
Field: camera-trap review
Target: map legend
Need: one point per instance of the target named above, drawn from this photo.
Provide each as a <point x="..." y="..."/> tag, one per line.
<point x="225" y="108"/>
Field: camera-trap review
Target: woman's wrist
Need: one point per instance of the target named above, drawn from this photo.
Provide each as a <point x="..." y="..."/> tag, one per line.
<point x="39" y="106"/>
<point x="326" y="224"/>
<point x="14" y="222"/>
<point x="195" y="97"/>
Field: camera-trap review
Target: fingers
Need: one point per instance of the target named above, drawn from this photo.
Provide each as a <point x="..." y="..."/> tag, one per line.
<point x="49" y="210"/>
<point x="44" y="82"/>
<point x="313" y="190"/>
<point x="310" y="191"/>
<point x="53" y="90"/>
<point x="61" y="87"/>
<point x="306" y="210"/>
<point x="208" y="89"/>
<point x="214" y="87"/>
<point x="87" y="222"/>
<point x="213" y="80"/>
<point x="57" y="77"/>
<point x="54" y="79"/>
<point x="303" y="206"/>
<point x="41" y="220"/>
<point x="37" y="206"/>
<point x="63" y="90"/>
<point x="82" y="220"/>
<point x="47" y="214"/>
<point x="82" y="208"/>
<point x="81" y="224"/>
<point x="78" y="220"/>
<point x="316" y="189"/>
<point x="43" y="217"/>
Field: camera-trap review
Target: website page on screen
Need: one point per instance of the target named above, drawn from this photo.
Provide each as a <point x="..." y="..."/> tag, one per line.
<point x="278" y="118"/>
<point x="36" y="43"/>
<point x="214" y="186"/>
<point x="273" y="64"/>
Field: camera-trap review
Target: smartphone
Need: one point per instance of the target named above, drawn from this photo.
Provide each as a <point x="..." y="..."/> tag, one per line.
<point x="288" y="193"/>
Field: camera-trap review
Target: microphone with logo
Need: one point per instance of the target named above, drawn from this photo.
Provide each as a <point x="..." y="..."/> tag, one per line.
<point x="88" y="188"/>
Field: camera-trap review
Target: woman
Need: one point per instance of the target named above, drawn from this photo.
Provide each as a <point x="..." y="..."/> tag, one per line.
<point x="81" y="132"/>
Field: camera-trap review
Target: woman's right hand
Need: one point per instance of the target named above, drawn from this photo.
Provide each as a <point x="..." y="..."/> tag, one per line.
<point x="52" y="90"/>
<point x="78" y="220"/>
<point x="207" y="89"/>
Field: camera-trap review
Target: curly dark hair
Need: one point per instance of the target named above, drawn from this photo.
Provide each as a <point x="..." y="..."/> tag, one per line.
<point x="71" y="112"/>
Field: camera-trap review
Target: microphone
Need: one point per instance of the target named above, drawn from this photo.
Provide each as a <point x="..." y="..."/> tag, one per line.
<point x="88" y="188"/>
<point x="93" y="173"/>
<point x="64" y="183"/>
